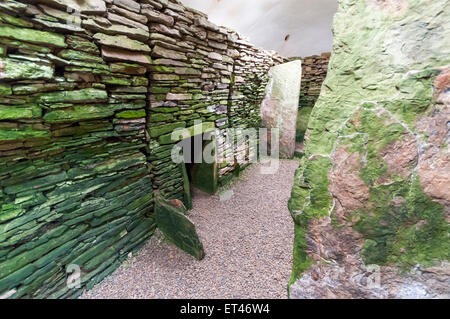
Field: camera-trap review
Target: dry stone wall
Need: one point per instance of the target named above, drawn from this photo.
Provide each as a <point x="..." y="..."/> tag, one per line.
<point x="89" y="91"/>
<point x="314" y="72"/>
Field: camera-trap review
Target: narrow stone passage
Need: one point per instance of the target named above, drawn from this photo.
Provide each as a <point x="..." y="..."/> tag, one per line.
<point x="246" y="235"/>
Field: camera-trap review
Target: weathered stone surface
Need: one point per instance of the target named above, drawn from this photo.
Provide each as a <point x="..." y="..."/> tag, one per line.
<point x="172" y="221"/>
<point x="125" y="21"/>
<point x="280" y="106"/>
<point x="33" y="36"/>
<point x="121" y="42"/>
<point x="169" y="54"/>
<point x="15" y="69"/>
<point x="370" y="201"/>
<point x="86" y="6"/>
<point x="80" y="96"/>
<point x="86" y="122"/>
<point x="124" y="55"/>
<point x="129" y="14"/>
<point x="178" y="97"/>
<point x="158" y="17"/>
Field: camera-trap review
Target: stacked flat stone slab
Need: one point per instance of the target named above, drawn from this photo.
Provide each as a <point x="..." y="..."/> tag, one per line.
<point x="74" y="182"/>
<point x="194" y="62"/>
<point x="89" y="91"/>
<point x="314" y="72"/>
<point x="371" y="198"/>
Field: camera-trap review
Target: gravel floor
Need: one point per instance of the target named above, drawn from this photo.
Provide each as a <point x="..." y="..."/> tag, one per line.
<point x="247" y="233"/>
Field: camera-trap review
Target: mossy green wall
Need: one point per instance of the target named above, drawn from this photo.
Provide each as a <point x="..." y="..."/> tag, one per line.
<point x="87" y="108"/>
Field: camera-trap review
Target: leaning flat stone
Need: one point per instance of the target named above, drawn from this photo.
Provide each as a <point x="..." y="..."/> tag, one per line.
<point x="187" y="71"/>
<point x="178" y="97"/>
<point x="79" y="113"/>
<point x="33" y="36"/>
<point x="81" y="44"/>
<point x="161" y="28"/>
<point x="12" y="113"/>
<point x="62" y="15"/>
<point x="218" y="45"/>
<point x="169" y="62"/>
<point x="125" y="55"/>
<point x="165" y="77"/>
<point x="5" y="90"/>
<point x="79" y="55"/>
<point x="121" y="42"/>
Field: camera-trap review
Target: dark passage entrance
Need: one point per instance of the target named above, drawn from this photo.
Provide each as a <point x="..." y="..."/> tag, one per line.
<point x="201" y="172"/>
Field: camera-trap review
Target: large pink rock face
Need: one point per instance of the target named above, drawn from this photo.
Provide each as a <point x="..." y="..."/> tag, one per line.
<point x="372" y="214"/>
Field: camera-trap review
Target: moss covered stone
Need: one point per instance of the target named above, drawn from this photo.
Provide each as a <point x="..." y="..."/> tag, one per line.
<point x="32" y="36"/>
<point x="15" y="69"/>
<point x="5" y="90"/>
<point x="131" y="114"/>
<point x="156" y="131"/>
<point x="79" y="96"/>
<point x="121" y="42"/>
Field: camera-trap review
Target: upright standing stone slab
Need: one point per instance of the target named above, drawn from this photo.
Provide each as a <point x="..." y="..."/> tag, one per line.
<point x="280" y="106"/>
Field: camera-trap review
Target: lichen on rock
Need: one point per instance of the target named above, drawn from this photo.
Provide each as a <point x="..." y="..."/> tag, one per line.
<point x="380" y="130"/>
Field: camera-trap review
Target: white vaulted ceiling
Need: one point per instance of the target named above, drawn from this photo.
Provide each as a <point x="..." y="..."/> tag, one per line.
<point x="268" y="22"/>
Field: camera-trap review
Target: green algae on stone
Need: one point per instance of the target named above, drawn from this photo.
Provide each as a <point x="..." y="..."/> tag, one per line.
<point x="23" y="133"/>
<point x="156" y="131"/>
<point x="5" y="90"/>
<point x="79" y="96"/>
<point x="33" y="36"/>
<point x="160" y="117"/>
<point x="301" y="259"/>
<point x="11" y="112"/>
<point x="15" y="69"/>
<point x="131" y="114"/>
<point x="378" y="72"/>
<point x="404" y="227"/>
<point x="183" y="132"/>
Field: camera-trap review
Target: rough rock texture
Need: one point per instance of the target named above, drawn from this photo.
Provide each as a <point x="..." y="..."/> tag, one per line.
<point x="371" y="196"/>
<point x="89" y="94"/>
<point x="279" y="107"/>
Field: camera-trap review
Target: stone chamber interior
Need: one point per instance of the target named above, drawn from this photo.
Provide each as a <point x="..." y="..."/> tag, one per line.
<point x="91" y="91"/>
